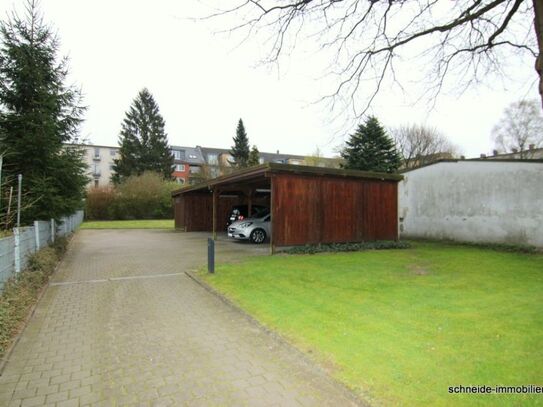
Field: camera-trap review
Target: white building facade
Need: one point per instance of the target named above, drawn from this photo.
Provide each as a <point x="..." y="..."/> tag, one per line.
<point x="99" y="160"/>
<point x="474" y="201"/>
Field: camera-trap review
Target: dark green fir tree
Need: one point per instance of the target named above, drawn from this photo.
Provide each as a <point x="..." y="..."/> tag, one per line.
<point x="254" y="157"/>
<point x="143" y="141"/>
<point x="39" y="119"/>
<point x="240" y="149"/>
<point x="371" y="149"/>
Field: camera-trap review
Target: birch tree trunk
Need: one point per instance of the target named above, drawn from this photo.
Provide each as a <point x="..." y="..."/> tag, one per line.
<point x="538" y="25"/>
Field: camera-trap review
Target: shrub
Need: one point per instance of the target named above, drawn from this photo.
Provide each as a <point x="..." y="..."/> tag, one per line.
<point x="44" y="260"/>
<point x="146" y="196"/>
<point x="348" y="247"/>
<point x="60" y="246"/>
<point x="99" y="203"/>
<point x="21" y="291"/>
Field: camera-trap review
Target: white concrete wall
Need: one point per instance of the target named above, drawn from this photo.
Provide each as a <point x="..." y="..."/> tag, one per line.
<point x="489" y="201"/>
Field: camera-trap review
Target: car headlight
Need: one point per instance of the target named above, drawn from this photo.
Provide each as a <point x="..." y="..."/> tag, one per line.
<point x="245" y="225"/>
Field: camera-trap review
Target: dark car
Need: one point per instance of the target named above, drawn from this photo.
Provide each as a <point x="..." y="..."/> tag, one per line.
<point x="240" y="212"/>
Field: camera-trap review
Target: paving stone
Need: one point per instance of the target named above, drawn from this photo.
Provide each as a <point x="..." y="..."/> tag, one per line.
<point x="56" y="397"/>
<point x="33" y="401"/>
<point x="101" y="337"/>
<point x="69" y="403"/>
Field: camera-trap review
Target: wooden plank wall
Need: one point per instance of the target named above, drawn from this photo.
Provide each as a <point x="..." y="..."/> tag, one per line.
<point x="311" y="210"/>
<point x="179" y="212"/>
<point x="194" y="212"/>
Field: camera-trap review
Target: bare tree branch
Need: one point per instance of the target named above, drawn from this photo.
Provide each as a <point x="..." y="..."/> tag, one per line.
<point x="520" y="126"/>
<point x="367" y="36"/>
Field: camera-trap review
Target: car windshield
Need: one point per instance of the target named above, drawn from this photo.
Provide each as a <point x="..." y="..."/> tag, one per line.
<point x="261" y="212"/>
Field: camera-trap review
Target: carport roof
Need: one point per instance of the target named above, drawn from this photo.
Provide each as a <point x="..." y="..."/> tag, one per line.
<point x="262" y="171"/>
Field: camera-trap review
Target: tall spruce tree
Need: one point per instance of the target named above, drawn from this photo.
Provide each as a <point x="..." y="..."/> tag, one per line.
<point x="240" y="149"/>
<point x="371" y="149"/>
<point x="143" y="141"/>
<point x="254" y="157"/>
<point x="39" y="113"/>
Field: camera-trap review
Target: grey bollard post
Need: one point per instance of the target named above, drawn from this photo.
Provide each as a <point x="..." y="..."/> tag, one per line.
<point x="210" y="255"/>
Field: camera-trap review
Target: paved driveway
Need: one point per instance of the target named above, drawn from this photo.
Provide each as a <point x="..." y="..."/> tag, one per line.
<point x="121" y="324"/>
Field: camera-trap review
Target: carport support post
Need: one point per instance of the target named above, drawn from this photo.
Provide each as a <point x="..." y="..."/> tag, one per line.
<point x="272" y="212"/>
<point x="250" y="202"/>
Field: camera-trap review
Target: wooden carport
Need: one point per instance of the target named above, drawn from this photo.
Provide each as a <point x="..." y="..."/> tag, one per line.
<point x="309" y="205"/>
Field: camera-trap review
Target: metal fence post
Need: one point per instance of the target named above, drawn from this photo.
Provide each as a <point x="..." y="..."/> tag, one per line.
<point x="17" y="250"/>
<point x="37" y="234"/>
<point x="210" y="255"/>
<point x="52" y="231"/>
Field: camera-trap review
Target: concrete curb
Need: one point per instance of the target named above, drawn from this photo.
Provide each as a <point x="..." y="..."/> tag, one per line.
<point x="303" y="356"/>
<point x="5" y="359"/>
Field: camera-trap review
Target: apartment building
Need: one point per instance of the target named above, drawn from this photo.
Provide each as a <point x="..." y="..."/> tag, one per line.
<point x="531" y="153"/>
<point x="188" y="164"/>
<point x="218" y="160"/>
<point x="99" y="160"/>
<point x="191" y="164"/>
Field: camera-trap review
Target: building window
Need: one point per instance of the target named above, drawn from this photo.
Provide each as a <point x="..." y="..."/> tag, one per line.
<point x="179" y="154"/>
<point x="194" y="169"/>
<point x="261" y="160"/>
<point x="112" y="152"/>
<point x="215" y="172"/>
<point x="212" y="159"/>
<point x="96" y="152"/>
<point x="192" y="156"/>
<point x="96" y="183"/>
<point x="180" y="167"/>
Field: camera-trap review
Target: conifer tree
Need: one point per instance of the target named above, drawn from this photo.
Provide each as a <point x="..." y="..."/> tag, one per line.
<point x="254" y="157"/>
<point x="240" y="149"/>
<point x="143" y="141"/>
<point x="371" y="149"/>
<point x="39" y="114"/>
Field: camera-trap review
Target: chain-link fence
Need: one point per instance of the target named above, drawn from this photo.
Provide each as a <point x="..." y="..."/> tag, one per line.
<point x="16" y="249"/>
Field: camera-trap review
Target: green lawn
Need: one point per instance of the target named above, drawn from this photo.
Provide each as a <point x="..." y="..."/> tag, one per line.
<point x="129" y="224"/>
<point x="400" y="326"/>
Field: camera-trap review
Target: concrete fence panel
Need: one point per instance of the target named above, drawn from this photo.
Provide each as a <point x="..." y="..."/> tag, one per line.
<point x="27" y="244"/>
<point x="15" y="250"/>
<point x="7" y="259"/>
<point x="44" y="233"/>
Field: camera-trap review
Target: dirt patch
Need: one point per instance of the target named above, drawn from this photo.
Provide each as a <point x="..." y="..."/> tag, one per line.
<point x="418" y="269"/>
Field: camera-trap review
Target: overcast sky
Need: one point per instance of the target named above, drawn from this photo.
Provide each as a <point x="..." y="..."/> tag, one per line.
<point x="203" y="82"/>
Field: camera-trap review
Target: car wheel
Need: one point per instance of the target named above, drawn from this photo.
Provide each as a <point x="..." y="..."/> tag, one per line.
<point x="257" y="236"/>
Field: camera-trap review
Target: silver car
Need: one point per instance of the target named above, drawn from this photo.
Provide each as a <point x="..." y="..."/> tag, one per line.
<point x="254" y="229"/>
